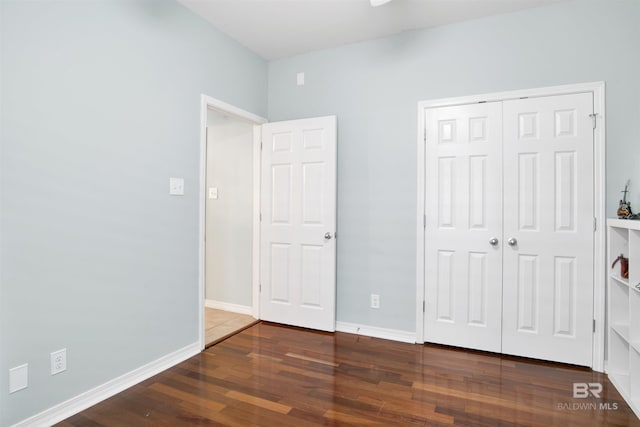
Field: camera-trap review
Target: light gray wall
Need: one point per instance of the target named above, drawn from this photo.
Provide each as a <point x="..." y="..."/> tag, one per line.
<point x="100" y="106"/>
<point x="374" y="87"/>
<point x="229" y="218"/>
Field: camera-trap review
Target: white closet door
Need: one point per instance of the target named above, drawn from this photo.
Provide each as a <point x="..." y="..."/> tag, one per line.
<point x="298" y="202"/>
<point x="463" y="269"/>
<point x="548" y="205"/>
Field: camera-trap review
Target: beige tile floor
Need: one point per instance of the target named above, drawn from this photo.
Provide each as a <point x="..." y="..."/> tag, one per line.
<point x="220" y="324"/>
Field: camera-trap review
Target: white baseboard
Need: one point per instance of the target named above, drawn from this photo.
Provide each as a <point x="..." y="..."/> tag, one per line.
<point x="89" y="398"/>
<point x="227" y="306"/>
<point x="376" y="332"/>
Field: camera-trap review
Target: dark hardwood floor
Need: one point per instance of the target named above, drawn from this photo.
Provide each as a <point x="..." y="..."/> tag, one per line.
<point x="277" y="376"/>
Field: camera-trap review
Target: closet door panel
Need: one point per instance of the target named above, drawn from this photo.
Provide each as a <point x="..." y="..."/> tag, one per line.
<point x="463" y="270"/>
<point x="548" y="205"/>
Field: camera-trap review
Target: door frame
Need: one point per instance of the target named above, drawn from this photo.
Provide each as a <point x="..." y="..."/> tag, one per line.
<point x="599" y="271"/>
<point x="208" y="103"/>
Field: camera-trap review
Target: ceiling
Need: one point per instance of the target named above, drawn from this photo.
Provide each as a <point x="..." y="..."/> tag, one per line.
<point x="279" y="28"/>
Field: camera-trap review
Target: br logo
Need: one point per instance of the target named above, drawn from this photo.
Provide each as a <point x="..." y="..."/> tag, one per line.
<point x="584" y="390"/>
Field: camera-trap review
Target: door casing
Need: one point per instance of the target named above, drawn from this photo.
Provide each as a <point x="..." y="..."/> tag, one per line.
<point x="598" y="91"/>
<point x="208" y="103"/>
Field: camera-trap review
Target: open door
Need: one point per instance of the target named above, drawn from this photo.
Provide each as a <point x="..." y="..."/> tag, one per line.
<point x="298" y="227"/>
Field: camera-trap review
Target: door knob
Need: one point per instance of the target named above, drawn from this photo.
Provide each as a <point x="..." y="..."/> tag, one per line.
<point x="512" y="241"/>
<point x="327" y="235"/>
<point x="493" y="241"/>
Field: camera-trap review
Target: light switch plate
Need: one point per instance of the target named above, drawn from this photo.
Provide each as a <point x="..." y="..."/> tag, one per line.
<point x="176" y="186"/>
<point x="300" y="79"/>
<point x="18" y="378"/>
<point x="213" y="192"/>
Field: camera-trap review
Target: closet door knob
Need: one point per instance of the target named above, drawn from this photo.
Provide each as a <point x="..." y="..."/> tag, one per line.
<point x="327" y="235"/>
<point x="512" y="241"/>
<point x="493" y="241"/>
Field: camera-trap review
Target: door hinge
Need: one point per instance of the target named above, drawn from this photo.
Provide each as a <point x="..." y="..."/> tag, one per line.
<point x="260" y="145"/>
<point x="424" y="221"/>
<point x="594" y="118"/>
<point x="259" y="287"/>
<point x="595" y="224"/>
<point x="424" y="136"/>
<point x="423" y="306"/>
<point x="594" y="325"/>
<point x="260" y="216"/>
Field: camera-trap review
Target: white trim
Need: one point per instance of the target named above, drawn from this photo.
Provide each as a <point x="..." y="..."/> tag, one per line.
<point x="600" y="253"/>
<point x="207" y="103"/>
<point x="227" y="306"/>
<point x="257" y="174"/>
<point x="201" y="217"/>
<point x="421" y="159"/>
<point x="598" y="90"/>
<point x="374" y="331"/>
<point x="64" y="410"/>
<point x="515" y="94"/>
<point x="239" y="113"/>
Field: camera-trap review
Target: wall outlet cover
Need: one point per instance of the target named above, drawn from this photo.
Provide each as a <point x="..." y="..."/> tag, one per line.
<point x="58" y="361"/>
<point x="375" y="301"/>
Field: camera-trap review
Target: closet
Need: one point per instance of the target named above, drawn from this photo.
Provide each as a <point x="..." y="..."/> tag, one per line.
<point x="509" y="226"/>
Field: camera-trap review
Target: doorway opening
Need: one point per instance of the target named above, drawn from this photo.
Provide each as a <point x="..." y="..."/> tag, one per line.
<point x="229" y="220"/>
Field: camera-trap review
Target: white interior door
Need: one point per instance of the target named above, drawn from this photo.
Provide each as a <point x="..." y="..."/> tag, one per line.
<point x="298" y="203"/>
<point x="549" y="214"/>
<point x="463" y="264"/>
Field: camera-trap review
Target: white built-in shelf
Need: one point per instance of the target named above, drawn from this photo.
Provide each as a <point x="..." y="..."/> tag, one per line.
<point x="629" y="224"/>
<point x="617" y="278"/>
<point x="621" y="329"/>
<point x="623" y="360"/>
<point x="621" y="381"/>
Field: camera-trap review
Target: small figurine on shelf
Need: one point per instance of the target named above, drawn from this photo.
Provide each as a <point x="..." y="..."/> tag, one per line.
<point x="624" y="265"/>
<point x="624" y="209"/>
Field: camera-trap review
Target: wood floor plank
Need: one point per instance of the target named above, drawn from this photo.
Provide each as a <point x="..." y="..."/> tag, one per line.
<point x="272" y="375"/>
<point x="188" y="397"/>
<point x="350" y="419"/>
<point x="259" y="402"/>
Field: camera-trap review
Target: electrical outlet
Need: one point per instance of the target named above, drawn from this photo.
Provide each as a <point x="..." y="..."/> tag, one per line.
<point x="58" y="361"/>
<point x="375" y="301"/>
